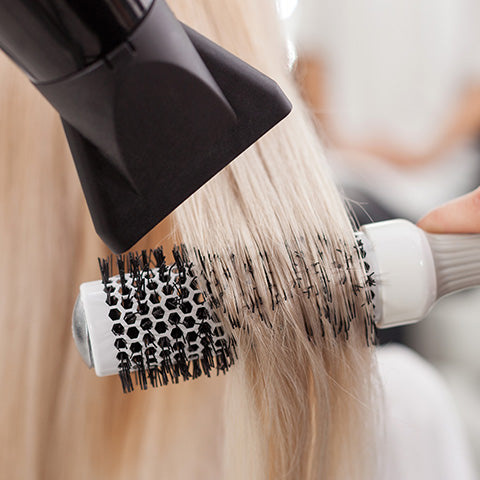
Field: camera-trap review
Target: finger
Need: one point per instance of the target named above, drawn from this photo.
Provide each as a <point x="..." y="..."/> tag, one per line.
<point x="461" y="215"/>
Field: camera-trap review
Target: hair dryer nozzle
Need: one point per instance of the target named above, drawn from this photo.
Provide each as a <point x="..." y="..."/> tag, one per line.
<point x="158" y="117"/>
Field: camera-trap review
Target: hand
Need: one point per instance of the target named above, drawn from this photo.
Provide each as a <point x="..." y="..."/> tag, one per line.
<point x="461" y="215"/>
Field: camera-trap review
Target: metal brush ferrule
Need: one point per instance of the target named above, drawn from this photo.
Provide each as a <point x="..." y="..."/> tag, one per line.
<point x="80" y="332"/>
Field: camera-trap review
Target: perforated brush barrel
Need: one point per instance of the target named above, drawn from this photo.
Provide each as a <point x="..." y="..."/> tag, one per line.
<point x="151" y="323"/>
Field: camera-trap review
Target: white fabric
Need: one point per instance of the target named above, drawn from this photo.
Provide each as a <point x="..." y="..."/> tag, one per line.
<point x="424" y="439"/>
<point x="395" y="71"/>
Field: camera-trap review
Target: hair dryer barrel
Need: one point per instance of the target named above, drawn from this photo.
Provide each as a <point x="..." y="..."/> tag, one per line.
<point x="51" y="39"/>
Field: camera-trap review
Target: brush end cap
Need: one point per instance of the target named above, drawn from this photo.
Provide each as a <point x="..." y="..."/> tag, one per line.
<point x="80" y="332"/>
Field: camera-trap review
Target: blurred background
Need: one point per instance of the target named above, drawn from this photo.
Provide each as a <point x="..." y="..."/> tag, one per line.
<point x="394" y="88"/>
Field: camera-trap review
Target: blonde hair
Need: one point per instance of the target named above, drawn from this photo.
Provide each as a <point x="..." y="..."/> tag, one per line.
<point x="58" y="420"/>
<point x="301" y="398"/>
<point x="300" y="402"/>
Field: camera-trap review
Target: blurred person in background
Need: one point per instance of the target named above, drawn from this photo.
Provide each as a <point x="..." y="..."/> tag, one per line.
<point x="395" y="89"/>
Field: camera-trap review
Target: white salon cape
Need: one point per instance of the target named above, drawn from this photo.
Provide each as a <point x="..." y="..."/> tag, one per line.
<point x="395" y="70"/>
<point x="423" y="435"/>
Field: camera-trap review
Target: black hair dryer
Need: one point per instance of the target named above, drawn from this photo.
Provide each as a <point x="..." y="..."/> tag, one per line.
<point x="151" y="108"/>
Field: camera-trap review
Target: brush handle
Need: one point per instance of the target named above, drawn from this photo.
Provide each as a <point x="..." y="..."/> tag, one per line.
<point x="457" y="261"/>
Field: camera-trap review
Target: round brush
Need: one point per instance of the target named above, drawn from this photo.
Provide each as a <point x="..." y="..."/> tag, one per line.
<point x="152" y="320"/>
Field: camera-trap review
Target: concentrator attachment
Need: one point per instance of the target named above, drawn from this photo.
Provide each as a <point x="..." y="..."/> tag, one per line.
<point x="151" y="108"/>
